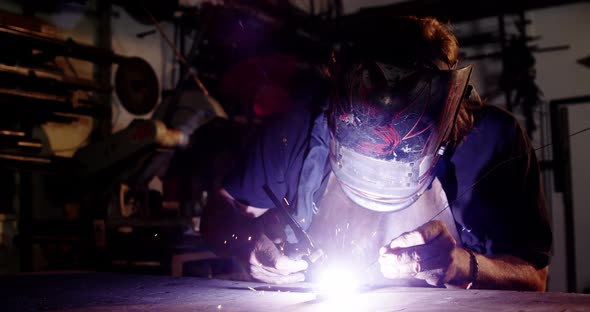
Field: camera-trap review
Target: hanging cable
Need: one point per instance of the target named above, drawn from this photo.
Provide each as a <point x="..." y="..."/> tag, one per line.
<point x="179" y="54"/>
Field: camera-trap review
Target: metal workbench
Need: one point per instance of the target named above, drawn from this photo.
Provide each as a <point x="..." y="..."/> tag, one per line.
<point x="127" y="292"/>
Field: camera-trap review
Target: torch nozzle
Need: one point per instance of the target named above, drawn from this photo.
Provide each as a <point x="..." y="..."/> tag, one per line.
<point x="316" y="256"/>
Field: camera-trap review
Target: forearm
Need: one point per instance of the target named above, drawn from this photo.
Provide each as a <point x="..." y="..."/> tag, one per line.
<point x="509" y="273"/>
<point x="226" y="227"/>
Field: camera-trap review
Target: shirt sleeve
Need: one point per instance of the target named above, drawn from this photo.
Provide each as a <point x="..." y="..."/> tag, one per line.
<point x="273" y="158"/>
<point x="500" y="203"/>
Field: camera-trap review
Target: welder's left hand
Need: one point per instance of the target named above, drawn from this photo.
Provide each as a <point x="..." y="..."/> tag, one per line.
<point x="429" y="253"/>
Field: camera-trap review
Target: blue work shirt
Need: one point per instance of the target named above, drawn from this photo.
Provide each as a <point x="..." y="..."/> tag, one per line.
<point x="491" y="180"/>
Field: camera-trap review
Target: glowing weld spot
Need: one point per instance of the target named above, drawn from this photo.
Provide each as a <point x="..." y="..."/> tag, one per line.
<point x="338" y="283"/>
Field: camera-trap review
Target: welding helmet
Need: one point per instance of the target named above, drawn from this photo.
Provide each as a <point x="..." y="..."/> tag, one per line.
<point x="389" y="125"/>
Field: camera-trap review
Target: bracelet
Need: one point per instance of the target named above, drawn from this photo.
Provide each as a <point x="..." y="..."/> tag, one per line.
<point x="474" y="268"/>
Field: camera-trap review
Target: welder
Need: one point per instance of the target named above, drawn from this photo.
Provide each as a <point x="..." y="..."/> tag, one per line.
<point x="404" y="175"/>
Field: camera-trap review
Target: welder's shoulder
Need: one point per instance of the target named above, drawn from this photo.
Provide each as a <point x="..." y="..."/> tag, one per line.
<point x="498" y="123"/>
<point x="491" y="114"/>
<point x="298" y="114"/>
<point x="289" y="125"/>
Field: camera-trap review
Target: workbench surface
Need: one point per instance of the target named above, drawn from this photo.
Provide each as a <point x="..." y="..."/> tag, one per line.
<point x="128" y="292"/>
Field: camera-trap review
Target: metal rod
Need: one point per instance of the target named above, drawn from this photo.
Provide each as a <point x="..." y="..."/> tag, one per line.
<point x="179" y="55"/>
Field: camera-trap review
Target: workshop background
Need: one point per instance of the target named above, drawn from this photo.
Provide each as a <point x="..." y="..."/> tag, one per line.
<point x="119" y="116"/>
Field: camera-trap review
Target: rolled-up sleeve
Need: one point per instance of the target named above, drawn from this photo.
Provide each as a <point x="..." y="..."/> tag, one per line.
<point x="273" y="158"/>
<point x="500" y="206"/>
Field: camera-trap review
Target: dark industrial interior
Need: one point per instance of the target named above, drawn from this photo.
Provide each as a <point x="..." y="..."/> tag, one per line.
<point x="120" y="118"/>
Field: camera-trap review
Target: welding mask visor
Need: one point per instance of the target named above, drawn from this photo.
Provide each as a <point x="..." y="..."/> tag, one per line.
<point x="389" y="125"/>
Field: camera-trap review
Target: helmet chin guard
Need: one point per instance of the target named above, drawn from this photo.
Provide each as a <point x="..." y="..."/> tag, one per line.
<point x="389" y="126"/>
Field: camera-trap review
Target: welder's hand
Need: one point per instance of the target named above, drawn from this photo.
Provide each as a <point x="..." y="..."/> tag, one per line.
<point x="268" y="264"/>
<point x="428" y="253"/>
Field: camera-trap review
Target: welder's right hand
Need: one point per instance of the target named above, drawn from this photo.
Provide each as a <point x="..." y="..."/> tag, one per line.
<point x="268" y="264"/>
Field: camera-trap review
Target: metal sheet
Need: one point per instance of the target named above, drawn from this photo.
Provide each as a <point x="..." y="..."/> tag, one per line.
<point x="126" y="292"/>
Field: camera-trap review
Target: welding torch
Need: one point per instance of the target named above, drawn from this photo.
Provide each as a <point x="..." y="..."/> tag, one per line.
<point x="313" y="254"/>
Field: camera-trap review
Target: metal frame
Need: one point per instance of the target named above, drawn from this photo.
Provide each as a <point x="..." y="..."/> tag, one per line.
<point x="563" y="176"/>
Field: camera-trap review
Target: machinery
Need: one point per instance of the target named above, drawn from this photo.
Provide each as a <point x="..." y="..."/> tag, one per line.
<point x="55" y="138"/>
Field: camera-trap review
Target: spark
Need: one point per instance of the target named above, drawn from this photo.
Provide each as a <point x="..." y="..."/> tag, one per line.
<point x="233" y="235"/>
<point x="236" y="236"/>
<point x="347" y="225"/>
<point x="374" y="233"/>
<point x="156" y="235"/>
<point x="218" y="307"/>
<point x="249" y="238"/>
<point x="252" y="289"/>
<point x="225" y="242"/>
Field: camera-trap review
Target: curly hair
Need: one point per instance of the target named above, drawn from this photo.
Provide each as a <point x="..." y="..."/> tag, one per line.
<point x="444" y="43"/>
<point x="415" y="42"/>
